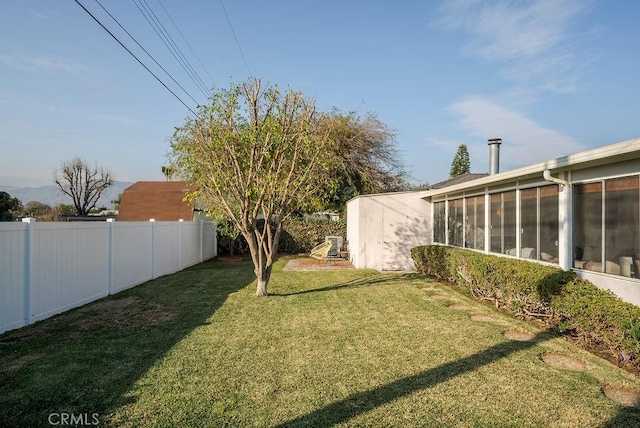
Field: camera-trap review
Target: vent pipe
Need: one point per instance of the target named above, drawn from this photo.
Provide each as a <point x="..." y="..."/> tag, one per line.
<point x="494" y="155"/>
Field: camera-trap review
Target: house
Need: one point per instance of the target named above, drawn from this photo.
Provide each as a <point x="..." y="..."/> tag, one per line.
<point x="580" y="212"/>
<point x="159" y="200"/>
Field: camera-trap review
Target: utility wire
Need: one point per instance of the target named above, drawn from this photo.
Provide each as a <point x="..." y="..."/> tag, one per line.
<point x="133" y="55"/>
<point x="160" y="31"/>
<point x="187" y="43"/>
<point x="234" y="36"/>
<point x="176" y="47"/>
<point x="145" y="51"/>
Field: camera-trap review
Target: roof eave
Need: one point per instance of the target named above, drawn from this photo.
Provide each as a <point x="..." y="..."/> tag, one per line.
<point x="599" y="156"/>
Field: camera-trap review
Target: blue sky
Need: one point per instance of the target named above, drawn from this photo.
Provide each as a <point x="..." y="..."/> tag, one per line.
<point x="549" y="77"/>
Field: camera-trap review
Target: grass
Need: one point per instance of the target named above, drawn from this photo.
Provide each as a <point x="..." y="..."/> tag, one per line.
<point x="346" y="348"/>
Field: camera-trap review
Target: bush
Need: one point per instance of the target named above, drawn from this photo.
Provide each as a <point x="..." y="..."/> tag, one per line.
<point x="564" y="302"/>
<point x="299" y="235"/>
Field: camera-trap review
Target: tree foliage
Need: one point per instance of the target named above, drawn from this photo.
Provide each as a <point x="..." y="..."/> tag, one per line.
<point x="82" y="182"/>
<point x="461" y="163"/>
<point x="168" y="172"/>
<point x="36" y="209"/>
<point x="257" y="153"/>
<point x="369" y="161"/>
<point x="9" y="207"/>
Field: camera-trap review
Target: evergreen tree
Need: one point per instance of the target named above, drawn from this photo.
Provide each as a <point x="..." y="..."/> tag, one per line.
<point x="461" y="163"/>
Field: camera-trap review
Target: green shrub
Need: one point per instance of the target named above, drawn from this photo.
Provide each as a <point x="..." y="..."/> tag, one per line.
<point x="559" y="298"/>
<point x="299" y="235"/>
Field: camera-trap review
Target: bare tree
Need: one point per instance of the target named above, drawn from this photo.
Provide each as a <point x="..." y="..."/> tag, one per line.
<point x="82" y="182"/>
<point x="258" y="155"/>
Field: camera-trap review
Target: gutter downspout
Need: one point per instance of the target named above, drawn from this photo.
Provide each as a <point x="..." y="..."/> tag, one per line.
<point x="547" y="176"/>
<point x="565" y="220"/>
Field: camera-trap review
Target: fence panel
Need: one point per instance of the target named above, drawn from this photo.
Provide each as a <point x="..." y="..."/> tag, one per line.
<point x="190" y="235"/>
<point x="69" y="266"/>
<point x="48" y="268"/>
<point x="166" y="256"/>
<point x="13" y="248"/>
<point x="131" y="254"/>
<point x="210" y="241"/>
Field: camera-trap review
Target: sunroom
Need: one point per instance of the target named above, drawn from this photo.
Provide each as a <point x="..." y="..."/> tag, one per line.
<point x="579" y="212"/>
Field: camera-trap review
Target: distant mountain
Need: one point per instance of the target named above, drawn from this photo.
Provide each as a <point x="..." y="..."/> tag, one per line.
<point x="51" y="195"/>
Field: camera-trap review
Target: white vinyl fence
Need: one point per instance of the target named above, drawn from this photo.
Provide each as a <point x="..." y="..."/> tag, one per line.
<point x="48" y="268"/>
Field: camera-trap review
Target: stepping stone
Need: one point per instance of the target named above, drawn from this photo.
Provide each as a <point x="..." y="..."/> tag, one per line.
<point x="564" y="361"/>
<point x="519" y="335"/>
<point x="460" y="307"/>
<point x="623" y="396"/>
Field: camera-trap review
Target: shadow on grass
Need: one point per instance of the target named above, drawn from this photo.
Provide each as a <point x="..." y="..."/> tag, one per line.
<point x="87" y="361"/>
<point x="341" y="411"/>
<point x="354" y="283"/>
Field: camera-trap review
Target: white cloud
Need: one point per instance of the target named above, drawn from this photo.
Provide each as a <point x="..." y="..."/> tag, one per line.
<point x="507" y="29"/>
<point x="524" y="141"/>
<point x="532" y="40"/>
<point x="46" y="63"/>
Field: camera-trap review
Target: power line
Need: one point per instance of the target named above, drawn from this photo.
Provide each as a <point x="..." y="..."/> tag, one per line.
<point x="177" y="48"/>
<point x="187" y="43"/>
<point x="234" y="36"/>
<point x="167" y="40"/>
<point x="133" y="55"/>
<point x="145" y="51"/>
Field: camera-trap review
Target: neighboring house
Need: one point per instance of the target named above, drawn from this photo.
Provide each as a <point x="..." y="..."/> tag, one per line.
<point x="579" y="212"/>
<point x="159" y="200"/>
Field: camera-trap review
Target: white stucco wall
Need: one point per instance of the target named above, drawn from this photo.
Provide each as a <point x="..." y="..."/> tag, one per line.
<point x="382" y="229"/>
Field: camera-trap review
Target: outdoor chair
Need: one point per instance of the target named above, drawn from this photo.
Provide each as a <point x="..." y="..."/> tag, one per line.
<point x="321" y="252"/>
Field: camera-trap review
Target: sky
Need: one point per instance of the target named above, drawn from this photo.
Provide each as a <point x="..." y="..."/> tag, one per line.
<point x="549" y="77"/>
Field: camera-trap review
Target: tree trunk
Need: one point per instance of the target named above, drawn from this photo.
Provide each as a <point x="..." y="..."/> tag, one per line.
<point x="263" y="281"/>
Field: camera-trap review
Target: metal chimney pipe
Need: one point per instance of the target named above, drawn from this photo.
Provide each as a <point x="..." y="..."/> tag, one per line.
<point x="494" y="155"/>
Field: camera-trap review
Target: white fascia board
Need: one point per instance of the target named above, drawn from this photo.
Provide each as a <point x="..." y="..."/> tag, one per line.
<point x="625" y="150"/>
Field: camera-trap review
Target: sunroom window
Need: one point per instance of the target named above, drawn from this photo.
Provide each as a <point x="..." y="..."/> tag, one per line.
<point x="474" y="225"/>
<point x="607" y="226"/>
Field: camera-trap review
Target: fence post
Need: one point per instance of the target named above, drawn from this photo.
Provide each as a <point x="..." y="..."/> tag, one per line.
<point x="110" y="254"/>
<point x="153" y="235"/>
<point x="215" y="238"/>
<point x="201" y="241"/>
<point x="180" y="224"/>
<point x="28" y="267"/>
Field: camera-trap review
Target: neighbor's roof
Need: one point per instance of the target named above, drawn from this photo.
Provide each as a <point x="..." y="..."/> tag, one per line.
<point x="458" y="180"/>
<point x="160" y="200"/>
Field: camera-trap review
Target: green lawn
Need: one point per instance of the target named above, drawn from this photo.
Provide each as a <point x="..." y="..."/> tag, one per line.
<point x="347" y="348"/>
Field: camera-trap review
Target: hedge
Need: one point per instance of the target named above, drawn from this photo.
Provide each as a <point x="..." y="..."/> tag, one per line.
<point x="565" y="303"/>
<point x="299" y="235"/>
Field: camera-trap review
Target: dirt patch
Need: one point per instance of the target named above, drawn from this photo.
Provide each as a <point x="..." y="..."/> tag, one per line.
<point x="124" y="314"/>
<point x="482" y="317"/>
<point x="564" y="361"/>
<point x="622" y="395"/>
<point x="229" y="259"/>
<point x="17" y="364"/>
<point x="440" y="297"/>
<point x="460" y="307"/>
<point x="518" y="335"/>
